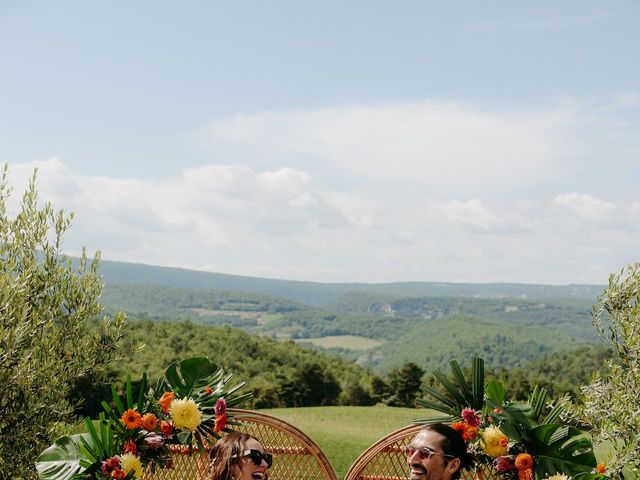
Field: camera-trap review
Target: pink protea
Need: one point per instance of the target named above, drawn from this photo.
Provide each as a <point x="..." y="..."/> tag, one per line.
<point x="503" y="464"/>
<point x="221" y="407"/>
<point x="471" y="417"/>
<point x="154" y="441"/>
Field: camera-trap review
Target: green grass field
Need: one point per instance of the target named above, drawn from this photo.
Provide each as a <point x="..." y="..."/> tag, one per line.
<point x="342" y="341"/>
<point x="345" y="432"/>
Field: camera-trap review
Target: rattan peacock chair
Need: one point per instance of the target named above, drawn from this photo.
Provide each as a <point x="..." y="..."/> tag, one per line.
<point x="385" y="459"/>
<point x="295" y="455"/>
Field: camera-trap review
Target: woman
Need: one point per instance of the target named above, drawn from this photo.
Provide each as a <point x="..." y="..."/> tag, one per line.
<point x="239" y="456"/>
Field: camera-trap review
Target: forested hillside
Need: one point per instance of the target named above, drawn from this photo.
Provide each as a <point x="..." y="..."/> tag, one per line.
<point x="428" y="331"/>
<point x="319" y="294"/>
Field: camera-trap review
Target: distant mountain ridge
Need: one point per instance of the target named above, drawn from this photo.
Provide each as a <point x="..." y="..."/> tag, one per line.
<point x="319" y="294"/>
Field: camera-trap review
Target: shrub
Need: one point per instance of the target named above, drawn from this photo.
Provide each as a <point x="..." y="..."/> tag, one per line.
<point x="45" y="304"/>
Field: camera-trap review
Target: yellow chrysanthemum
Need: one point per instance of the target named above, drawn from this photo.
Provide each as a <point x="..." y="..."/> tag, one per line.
<point x="494" y="442"/>
<point x="558" y="476"/>
<point x="185" y="414"/>
<point x="131" y="462"/>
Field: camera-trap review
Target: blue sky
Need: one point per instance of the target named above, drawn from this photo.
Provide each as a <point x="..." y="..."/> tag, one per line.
<point x="333" y="141"/>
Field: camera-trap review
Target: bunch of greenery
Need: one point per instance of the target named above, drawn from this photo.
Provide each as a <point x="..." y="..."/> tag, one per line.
<point x="612" y="403"/>
<point x="44" y="305"/>
<point x="519" y="440"/>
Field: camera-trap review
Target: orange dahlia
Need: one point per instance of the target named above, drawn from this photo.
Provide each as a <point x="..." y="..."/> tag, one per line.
<point x="601" y="468"/>
<point x="524" y="460"/>
<point x="165" y="401"/>
<point x="207" y="390"/>
<point x="131" y="419"/>
<point x="470" y="433"/>
<point x="149" y="422"/>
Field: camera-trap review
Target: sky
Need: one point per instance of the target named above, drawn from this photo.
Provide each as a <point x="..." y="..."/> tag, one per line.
<point x="333" y="141"/>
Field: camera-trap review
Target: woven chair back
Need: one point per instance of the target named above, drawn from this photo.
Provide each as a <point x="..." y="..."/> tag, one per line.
<point x="385" y="460"/>
<point x="295" y="455"/>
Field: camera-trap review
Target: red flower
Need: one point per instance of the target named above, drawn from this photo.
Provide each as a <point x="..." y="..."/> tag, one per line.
<point x="109" y="464"/>
<point x="503" y="464"/>
<point x="601" y="468"/>
<point x="130" y="447"/>
<point x="221" y="423"/>
<point x="221" y="407"/>
<point x="166" y="428"/>
<point x="131" y="419"/>
<point x="504" y="442"/>
<point x="165" y="401"/>
<point x="471" y="417"/>
<point x="207" y="390"/>
<point x="118" y="474"/>
<point x="149" y="422"/>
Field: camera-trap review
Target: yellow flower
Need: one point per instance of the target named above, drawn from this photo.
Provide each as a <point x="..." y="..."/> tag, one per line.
<point x="558" y="476"/>
<point x="494" y="442"/>
<point x="185" y="414"/>
<point x="131" y="462"/>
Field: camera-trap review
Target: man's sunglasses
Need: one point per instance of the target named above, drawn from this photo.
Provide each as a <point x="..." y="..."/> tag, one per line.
<point x="424" y="452"/>
<point x="256" y="457"/>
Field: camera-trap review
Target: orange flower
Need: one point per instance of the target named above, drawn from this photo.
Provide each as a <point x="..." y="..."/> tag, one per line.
<point x="131" y="419"/>
<point x="208" y="390"/>
<point x="165" y="401"/>
<point x="149" y="422"/>
<point x="504" y="442"/>
<point x="130" y="447"/>
<point x="525" y="474"/>
<point x="221" y="423"/>
<point x="459" y="427"/>
<point x="601" y="468"/>
<point x="524" y="461"/>
<point x="470" y="433"/>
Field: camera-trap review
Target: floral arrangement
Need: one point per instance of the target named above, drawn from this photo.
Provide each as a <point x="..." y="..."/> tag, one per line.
<point x="187" y="407"/>
<point x="521" y="441"/>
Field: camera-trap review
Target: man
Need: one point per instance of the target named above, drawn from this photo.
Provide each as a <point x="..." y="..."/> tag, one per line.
<point x="437" y="452"/>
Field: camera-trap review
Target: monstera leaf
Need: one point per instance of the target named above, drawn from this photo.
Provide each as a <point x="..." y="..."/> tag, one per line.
<point x="560" y="448"/>
<point x="458" y="394"/>
<point x="192" y="374"/>
<point x="61" y="461"/>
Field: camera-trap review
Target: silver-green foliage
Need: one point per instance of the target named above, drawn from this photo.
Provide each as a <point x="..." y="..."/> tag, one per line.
<point x="45" y="346"/>
<point x="612" y="399"/>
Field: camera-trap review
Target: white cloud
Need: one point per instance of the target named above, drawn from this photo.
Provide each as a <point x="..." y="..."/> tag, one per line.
<point x="586" y="207"/>
<point x="434" y="191"/>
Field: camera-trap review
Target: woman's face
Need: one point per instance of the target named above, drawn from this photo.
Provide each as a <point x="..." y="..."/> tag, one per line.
<point x="246" y="469"/>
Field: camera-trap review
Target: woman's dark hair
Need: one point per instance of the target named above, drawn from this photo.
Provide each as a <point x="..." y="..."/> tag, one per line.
<point x="222" y="452"/>
<point x="453" y="445"/>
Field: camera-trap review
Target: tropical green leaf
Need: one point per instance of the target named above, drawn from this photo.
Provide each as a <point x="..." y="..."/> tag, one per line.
<point x="191" y="374"/>
<point x="452" y="390"/>
<point x="459" y="394"/>
<point x="433" y="406"/>
<point x="462" y="382"/>
<point x="444" y="399"/>
<point x="537" y="400"/>
<point x="496" y="393"/>
<point x="477" y="383"/>
<point x="560" y="449"/>
<point x="61" y="461"/>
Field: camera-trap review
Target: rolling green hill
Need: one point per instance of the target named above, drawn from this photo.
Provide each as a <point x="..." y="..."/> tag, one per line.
<point x="379" y="326"/>
<point x="319" y="294"/>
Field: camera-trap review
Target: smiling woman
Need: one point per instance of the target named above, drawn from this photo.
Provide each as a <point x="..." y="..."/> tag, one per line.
<point x="239" y="456"/>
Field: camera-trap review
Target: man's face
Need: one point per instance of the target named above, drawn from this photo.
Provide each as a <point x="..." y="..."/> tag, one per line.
<point x="434" y="466"/>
